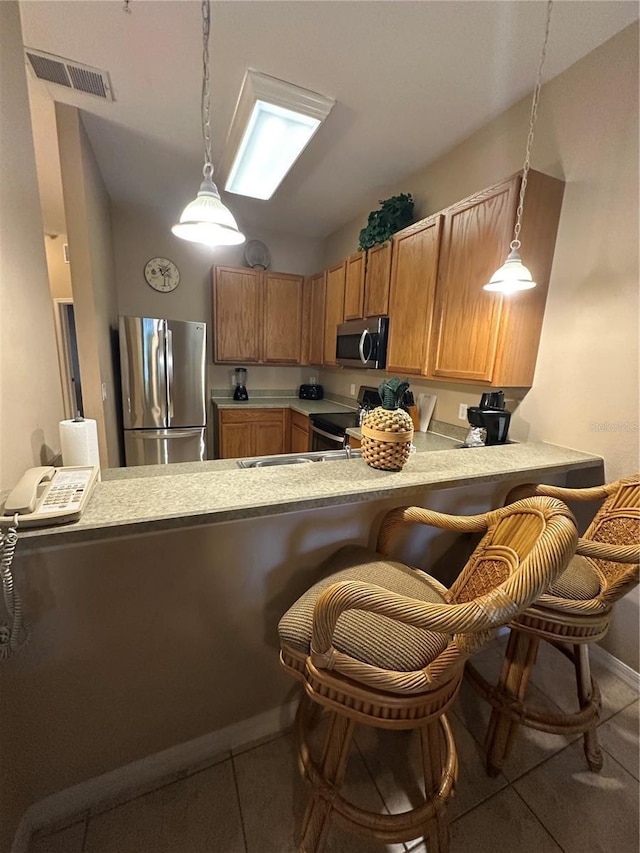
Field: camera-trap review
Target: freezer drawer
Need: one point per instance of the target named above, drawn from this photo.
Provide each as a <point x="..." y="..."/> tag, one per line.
<point x="161" y="446"/>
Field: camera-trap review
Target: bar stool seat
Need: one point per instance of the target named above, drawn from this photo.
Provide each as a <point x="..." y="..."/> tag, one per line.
<point x="378" y="643"/>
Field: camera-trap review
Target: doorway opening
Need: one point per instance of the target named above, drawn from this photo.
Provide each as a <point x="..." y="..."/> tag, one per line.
<point x="68" y="358"/>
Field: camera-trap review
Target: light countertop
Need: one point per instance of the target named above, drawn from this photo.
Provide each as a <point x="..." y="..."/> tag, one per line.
<point x="150" y="499"/>
<point x="305" y="407"/>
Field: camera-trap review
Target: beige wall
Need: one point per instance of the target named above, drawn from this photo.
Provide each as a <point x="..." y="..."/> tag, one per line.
<point x="30" y="392"/>
<point x="586" y="387"/>
<point x="88" y="215"/>
<point x="59" y="271"/>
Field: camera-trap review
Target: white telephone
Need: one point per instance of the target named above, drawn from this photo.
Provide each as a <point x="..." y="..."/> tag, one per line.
<point x="49" y="495"/>
<point x="44" y="495"/>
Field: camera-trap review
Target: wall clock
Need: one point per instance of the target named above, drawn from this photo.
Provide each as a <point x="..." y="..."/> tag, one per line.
<point x="162" y="274"/>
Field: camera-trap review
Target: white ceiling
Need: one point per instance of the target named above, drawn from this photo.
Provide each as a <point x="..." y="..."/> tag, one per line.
<point x="410" y="80"/>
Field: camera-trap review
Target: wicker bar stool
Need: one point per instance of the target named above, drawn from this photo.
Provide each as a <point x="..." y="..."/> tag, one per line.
<point x="379" y="643"/>
<point x="574" y="612"/>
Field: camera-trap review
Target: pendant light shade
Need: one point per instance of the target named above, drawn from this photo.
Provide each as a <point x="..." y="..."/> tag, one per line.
<point x="206" y="220"/>
<point x="511" y="277"/>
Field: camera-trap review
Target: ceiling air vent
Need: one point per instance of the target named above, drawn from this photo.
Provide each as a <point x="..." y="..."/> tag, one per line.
<point x="65" y="72"/>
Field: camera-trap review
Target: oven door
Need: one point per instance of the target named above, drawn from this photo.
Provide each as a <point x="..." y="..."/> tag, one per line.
<point x="322" y="440"/>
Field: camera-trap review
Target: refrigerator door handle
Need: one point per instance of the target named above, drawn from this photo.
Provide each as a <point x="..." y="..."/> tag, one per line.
<point x="153" y="434"/>
<point x="169" y="351"/>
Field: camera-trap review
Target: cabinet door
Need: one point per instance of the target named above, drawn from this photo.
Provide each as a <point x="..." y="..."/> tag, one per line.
<point x="235" y="440"/>
<point x="354" y="287"/>
<point x="377" y="281"/>
<point x="334" y="306"/>
<point x="317" y="285"/>
<point x="467" y="318"/>
<point x="236" y="315"/>
<point x="282" y="338"/>
<point x="413" y="281"/>
<point x="268" y="438"/>
<point x="299" y="439"/>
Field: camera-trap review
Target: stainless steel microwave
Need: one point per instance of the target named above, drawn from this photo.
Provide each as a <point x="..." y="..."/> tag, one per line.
<point x="363" y="343"/>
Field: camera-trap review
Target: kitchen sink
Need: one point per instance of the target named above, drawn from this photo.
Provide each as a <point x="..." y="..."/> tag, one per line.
<point x="299" y="458"/>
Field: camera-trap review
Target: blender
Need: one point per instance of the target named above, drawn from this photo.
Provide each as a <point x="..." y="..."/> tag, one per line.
<point x="240" y="379"/>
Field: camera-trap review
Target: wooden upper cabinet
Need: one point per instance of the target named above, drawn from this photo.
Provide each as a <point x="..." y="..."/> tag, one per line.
<point x="237" y="313"/>
<point x="413" y="283"/>
<point x="334" y="307"/>
<point x="377" y="280"/>
<point x="282" y="341"/>
<point x="316" y="307"/>
<point x="354" y="287"/>
<point x="257" y="316"/>
<point x="487" y="337"/>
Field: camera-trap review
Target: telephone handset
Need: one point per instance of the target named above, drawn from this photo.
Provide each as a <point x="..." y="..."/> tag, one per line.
<point x="48" y="495"/>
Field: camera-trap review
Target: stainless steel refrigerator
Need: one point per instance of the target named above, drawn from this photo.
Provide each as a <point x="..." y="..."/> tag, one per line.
<point x="163" y="364"/>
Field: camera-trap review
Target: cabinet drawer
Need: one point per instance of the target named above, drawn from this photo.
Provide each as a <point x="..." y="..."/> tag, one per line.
<point x="245" y="416"/>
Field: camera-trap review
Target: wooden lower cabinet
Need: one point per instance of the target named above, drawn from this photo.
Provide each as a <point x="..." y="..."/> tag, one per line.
<point x="252" y="432"/>
<point x="300" y="433"/>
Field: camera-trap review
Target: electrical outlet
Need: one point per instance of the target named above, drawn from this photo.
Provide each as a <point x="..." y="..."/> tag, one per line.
<point x="313" y="380"/>
<point x="352" y="390"/>
<point x="104" y="391"/>
<point x="462" y="412"/>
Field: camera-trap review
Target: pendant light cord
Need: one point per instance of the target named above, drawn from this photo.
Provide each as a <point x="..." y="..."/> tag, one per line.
<point x="515" y="243"/>
<point x="205" y="101"/>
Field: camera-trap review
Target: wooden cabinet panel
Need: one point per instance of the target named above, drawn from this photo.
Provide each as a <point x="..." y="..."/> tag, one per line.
<point x="377" y="280"/>
<point x="467" y="318"/>
<point x="299" y="440"/>
<point x="413" y="281"/>
<point x="237" y="315"/>
<point x="334" y="306"/>
<point x="268" y="439"/>
<point x="251" y="432"/>
<point x="354" y="287"/>
<point x="282" y="340"/>
<point x="235" y="440"/>
<point x="317" y="284"/>
<point x="487" y="337"/>
<point x="257" y="316"/>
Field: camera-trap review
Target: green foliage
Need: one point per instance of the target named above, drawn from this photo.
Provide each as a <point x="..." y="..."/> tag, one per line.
<point x="395" y="213"/>
<point x="392" y="391"/>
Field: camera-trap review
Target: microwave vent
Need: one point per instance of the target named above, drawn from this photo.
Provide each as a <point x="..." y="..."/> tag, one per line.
<point x="72" y="75"/>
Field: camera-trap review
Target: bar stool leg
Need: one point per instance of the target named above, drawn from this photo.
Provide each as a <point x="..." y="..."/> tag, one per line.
<point x="592" y="749"/>
<point x="432" y="765"/>
<point x="315" y="824"/>
<point x="519" y="660"/>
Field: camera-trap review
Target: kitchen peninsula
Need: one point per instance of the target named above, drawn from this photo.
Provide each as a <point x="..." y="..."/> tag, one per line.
<point x="157" y="498"/>
<point x="154" y="618"/>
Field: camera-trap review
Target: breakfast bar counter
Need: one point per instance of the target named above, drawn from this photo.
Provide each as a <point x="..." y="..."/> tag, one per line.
<point x="148" y="499"/>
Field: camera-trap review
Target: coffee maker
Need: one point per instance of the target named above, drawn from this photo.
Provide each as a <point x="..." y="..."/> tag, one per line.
<point x="240" y="379"/>
<point x="489" y="421"/>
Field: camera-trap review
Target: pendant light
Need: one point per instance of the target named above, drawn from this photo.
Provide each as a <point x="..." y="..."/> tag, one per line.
<point x="206" y="220"/>
<point x="513" y="275"/>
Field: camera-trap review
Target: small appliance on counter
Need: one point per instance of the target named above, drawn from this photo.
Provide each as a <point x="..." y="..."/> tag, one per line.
<point x="240" y="379"/>
<point x="489" y="421"/>
<point x="311" y="392"/>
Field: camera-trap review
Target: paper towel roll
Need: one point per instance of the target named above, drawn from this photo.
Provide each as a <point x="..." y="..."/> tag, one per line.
<point x="79" y="442"/>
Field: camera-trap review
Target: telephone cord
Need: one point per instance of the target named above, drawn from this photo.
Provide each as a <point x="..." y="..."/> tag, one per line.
<point x="9" y="642"/>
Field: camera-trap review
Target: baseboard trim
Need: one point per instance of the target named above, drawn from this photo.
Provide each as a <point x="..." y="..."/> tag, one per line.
<point x="147" y="773"/>
<point x="621" y="670"/>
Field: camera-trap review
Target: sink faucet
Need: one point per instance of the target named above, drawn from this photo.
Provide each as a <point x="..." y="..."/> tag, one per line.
<point x="347" y="449"/>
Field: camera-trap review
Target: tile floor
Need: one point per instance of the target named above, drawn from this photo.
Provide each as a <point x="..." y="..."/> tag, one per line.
<point x="251" y="800"/>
